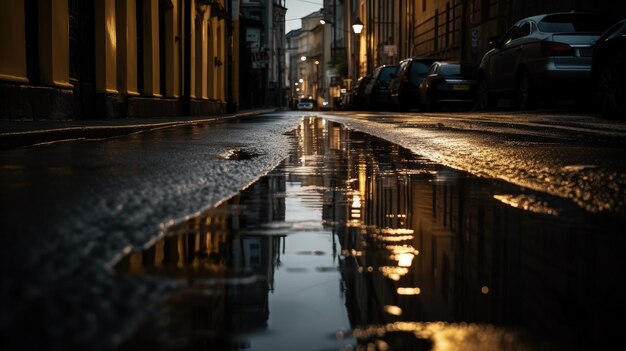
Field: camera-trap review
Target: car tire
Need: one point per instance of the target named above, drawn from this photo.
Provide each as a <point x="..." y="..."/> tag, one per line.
<point x="610" y="88"/>
<point x="484" y="100"/>
<point x="524" y="95"/>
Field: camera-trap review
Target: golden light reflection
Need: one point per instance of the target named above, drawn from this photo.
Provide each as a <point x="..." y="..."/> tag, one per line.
<point x="395" y="238"/>
<point x="405" y="259"/>
<point x="450" y="336"/>
<point x="401" y="249"/>
<point x="393" y="273"/>
<point x="409" y="291"/>
<point x="396" y="231"/>
<point x="353" y="252"/>
<point x="356" y="200"/>
<point x="527" y="203"/>
<point x="394" y="310"/>
<point x="484" y="290"/>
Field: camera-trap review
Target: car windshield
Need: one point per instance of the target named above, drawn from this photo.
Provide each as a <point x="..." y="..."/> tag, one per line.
<point x="457" y="70"/>
<point x="418" y="70"/>
<point x="385" y="74"/>
<point x="572" y="23"/>
<point x="306" y="101"/>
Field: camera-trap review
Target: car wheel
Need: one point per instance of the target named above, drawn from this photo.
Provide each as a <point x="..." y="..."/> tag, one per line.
<point x="524" y="94"/>
<point x="610" y="89"/>
<point x="484" y="100"/>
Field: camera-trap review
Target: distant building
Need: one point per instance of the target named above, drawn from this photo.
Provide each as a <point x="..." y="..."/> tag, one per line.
<point x="262" y="64"/>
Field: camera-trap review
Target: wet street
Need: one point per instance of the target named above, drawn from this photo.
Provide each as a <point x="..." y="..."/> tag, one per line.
<point x="335" y="232"/>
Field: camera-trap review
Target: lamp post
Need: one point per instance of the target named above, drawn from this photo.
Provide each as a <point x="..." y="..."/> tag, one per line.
<point x="357" y="27"/>
<point x="326" y="56"/>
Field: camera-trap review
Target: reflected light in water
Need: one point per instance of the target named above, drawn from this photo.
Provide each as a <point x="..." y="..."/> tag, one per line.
<point x="401" y="249"/>
<point x="394" y="231"/>
<point x="405" y="259"/>
<point x="396" y="238"/>
<point x="393" y="273"/>
<point x="450" y="336"/>
<point x="409" y="291"/>
<point x="394" y="310"/>
<point x="527" y="203"/>
<point x="353" y="252"/>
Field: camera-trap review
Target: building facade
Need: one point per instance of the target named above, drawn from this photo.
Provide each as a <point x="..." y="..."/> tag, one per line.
<point x="262" y="48"/>
<point x="450" y="29"/>
<point x="77" y="59"/>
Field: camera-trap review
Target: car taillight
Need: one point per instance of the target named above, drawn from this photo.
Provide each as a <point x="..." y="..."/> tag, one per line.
<point x="554" y="48"/>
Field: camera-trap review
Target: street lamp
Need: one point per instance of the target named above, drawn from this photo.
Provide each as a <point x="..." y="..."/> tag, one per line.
<point x="328" y="55"/>
<point x="357" y="27"/>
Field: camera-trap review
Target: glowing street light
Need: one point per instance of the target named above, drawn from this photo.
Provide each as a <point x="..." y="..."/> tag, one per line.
<point x="357" y="27"/>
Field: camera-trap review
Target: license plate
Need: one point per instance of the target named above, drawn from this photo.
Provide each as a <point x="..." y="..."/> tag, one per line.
<point x="460" y="87"/>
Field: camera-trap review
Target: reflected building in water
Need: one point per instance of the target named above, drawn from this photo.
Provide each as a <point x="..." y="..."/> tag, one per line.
<point x="427" y="255"/>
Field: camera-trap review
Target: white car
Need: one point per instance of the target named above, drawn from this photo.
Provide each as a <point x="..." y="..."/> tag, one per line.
<point x="542" y="57"/>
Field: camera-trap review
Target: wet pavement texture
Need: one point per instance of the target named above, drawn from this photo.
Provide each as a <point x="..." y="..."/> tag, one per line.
<point x="355" y="243"/>
<point x="350" y="243"/>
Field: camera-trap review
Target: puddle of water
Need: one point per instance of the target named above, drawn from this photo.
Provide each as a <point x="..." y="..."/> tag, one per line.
<point x="357" y="244"/>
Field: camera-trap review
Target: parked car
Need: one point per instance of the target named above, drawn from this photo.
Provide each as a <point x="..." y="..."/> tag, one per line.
<point x="608" y="71"/>
<point x="541" y="57"/>
<point x="404" y="88"/>
<point x="306" y="104"/>
<point x="377" y="90"/>
<point x="356" y="100"/>
<point x="449" y="85"/>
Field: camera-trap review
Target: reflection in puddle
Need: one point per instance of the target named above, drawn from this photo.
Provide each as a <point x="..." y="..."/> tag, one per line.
<point x="357" y="244"/>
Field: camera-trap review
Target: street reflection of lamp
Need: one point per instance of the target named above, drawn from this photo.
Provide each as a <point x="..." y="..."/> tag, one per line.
<point x="405" y="259"/>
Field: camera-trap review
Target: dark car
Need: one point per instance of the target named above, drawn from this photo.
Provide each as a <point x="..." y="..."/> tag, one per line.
<point x="544" y="57"/>
<point x="404" y="88"/>
<point x="356" y="100"/>
<point x="377" y="90"/>
<point x="449" y="85"/>
<point x="608" y="70"/>
<point x="306" y="104"/>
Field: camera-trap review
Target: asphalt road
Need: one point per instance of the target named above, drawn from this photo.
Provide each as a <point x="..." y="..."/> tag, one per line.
<point x="70" y="209"/>
<point x="576" y="156"/>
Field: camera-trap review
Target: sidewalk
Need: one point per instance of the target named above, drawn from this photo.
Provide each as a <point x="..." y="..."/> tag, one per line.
<point x="14" y="133"/>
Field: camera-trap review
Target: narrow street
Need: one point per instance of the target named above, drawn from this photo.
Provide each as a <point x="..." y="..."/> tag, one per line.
<point x="307" y="230"/>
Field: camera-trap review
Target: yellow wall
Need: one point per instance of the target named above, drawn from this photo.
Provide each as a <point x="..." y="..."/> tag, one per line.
<point x="12" y="38"/>
<point x="126" y="31"/>
<point x="54" y="44"/>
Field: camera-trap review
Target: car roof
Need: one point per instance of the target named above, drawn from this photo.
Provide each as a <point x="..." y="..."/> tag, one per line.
<point x="538" y="18"/>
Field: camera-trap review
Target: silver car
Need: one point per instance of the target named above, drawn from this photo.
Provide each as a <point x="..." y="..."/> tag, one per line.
<point x="544" y="57"/>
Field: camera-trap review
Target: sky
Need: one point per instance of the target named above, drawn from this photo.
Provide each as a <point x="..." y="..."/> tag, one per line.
<point x="297" y="9"/>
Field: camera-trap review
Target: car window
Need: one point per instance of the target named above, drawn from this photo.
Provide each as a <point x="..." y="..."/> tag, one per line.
<point x="418" y="70"/>
<point x="523" y="31"/>
<point x="450" y="70"/>
<point x="572" y="23"/>
<point x="385" y="75"/>
<point x="509" y="36"/>
<point x="433" y="69"/>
